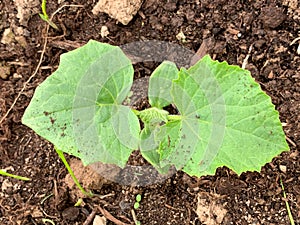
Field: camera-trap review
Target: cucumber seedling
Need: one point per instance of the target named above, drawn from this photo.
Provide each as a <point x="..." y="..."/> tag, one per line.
<point x="224" y="118"/>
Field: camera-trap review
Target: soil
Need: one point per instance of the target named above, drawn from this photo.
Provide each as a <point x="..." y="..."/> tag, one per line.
<point x="228" y="29"/>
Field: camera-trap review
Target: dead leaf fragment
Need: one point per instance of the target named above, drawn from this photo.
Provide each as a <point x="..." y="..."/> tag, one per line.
<point x="210" y="211"/>
<point x="4" y="72"/>
<point x="36" y="213"/>
<point x="26" y="8"/>
<point x="21" y="41"/>
<point x="207" y="44"/>
<point x="8" y="36"/>
<point x="271" y="75"/>
<point x="6" y="184"/>
<point x="89" y="176"/>
<point x="121" y="10"/>
<point x="233" y="31"/>
<point x="99" y="220"/>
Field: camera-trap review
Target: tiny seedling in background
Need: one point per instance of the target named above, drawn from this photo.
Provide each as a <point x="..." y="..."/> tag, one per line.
<point x="136" y="205"/>
<point x="44" y="16"/>
<point x="79" y="202"/>
<point x="138" y="199"/>
<point x="2" y="172"/>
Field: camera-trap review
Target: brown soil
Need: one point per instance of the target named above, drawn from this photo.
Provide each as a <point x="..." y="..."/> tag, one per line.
<point x="231" y="28"/>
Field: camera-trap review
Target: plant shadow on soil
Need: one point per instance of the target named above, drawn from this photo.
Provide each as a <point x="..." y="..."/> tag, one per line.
<point x="232" y="27"/>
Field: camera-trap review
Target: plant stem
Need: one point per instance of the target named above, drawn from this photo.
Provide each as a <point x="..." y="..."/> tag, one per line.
<point x="170" y="117"/>
<point x="287" y="205"/>
<point x="43" y="6"/>
<point x="45" y="16"/>
<point x="174" y="117"/>
<point x="136" y="112"/>
<point x="61" y="155"/>
<point x="2" y="172"/>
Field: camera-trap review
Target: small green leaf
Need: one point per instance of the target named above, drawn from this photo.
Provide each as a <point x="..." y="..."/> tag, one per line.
<point x="78" y="108"/>
<point x="138" y="197"/>
<point x="160" y="84"/>
<point x="153" y="116"/>
<point x="79" y="202"/>
<point x="136" y="205"/>
<point x="44" y="17"/>
<point x="149" y="145"/>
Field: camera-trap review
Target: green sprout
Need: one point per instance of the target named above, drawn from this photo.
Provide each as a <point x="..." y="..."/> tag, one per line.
<point x="288" y="209"/>
<point x="79" y="202"/>
<point x="2" y="172"/>
<point x="44" y="220"/>
<point x="44" y="16"/>
<point x="136" y="205"/>
<point x="138" y="199"/>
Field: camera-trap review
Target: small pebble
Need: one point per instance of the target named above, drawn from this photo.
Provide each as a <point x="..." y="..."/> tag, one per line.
<point x="70" y="213"/>
<point x="99" y="220"/>
<point x="104" y="31"/>
<point x="8" y="36"/>
<point x="282" y="168"/>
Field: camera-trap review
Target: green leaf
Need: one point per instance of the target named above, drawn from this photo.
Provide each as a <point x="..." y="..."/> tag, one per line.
<point x="160" y="84"/>
<point x="136" y="205"/>
<point x="174" y="142"/>
<point x="178" y="139"/>
<point x="149" y="145"/>
<point x="153" y="116"/>
<point x="138" y="197"/>
<point x="227" y="118"/>
<point x="44" y="17"/>
<point x="78" y="108"/>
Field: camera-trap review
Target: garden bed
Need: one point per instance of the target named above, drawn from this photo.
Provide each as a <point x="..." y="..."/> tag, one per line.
<point x="227" y="30"/>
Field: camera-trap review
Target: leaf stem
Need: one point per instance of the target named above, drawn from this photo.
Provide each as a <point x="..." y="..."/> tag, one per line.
<point x="62" y="157"/>
<point x="174" y="117"/>
<point x="2" y="172"/>
<point x="136" y="112"/>
<point x="169" y="117"/>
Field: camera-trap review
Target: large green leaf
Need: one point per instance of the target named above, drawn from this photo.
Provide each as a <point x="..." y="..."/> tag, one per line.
<point x="78" y="108"/>
<point x="237" y="122"/>
<point x="225" y="120"/>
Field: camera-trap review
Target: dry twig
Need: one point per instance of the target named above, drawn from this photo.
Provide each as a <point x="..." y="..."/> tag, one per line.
<point x="90" y="218"/>
<point x="245" y="62"/>
<point x="110" y="217"/>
